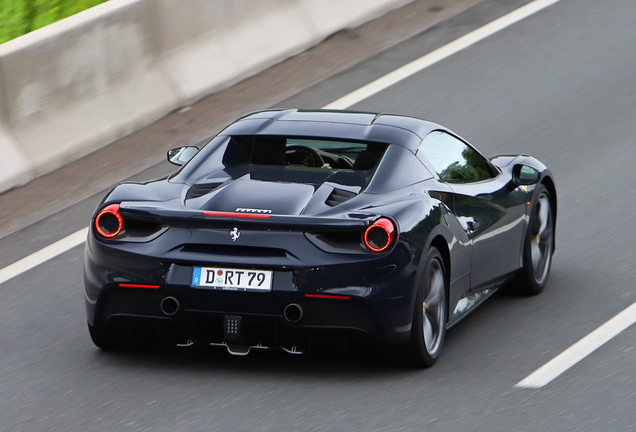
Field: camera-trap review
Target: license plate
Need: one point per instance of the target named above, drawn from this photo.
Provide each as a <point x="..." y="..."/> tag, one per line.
<point x="232" y="279"/>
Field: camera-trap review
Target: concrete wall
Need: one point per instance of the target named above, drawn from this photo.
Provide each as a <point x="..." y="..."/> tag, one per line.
<point x="215" y="43"/>
<point x="330" y="16"/>
<point x="79" y="84"/>
<point x="70" y="89"/>
<point x="15" y="166"/>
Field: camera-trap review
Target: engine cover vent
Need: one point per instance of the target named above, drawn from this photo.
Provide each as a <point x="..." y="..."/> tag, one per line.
<point x="338" y="196"/>
<point x="197" y="191"/>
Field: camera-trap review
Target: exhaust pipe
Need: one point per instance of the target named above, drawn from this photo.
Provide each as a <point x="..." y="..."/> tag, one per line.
<point x="170" y="306"/>
<point x="293" y="312"/>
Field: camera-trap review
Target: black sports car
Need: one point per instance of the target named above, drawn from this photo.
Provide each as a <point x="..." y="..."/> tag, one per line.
<point x="290" y="225"/>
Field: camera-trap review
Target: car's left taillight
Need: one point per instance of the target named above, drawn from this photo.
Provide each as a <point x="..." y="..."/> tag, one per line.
<point x="108" y="222"/>
<point x="380" y="235"/>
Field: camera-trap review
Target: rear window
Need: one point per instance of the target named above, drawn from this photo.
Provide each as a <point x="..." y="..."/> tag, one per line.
<point x="319" y="154"/>
<point x="312" y="161"/>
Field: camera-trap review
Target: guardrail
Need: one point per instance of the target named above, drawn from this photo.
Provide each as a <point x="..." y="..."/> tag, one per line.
<point x="81" y="83"/>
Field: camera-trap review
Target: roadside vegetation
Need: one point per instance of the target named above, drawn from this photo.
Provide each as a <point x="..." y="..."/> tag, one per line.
<point x="19" y="17"/>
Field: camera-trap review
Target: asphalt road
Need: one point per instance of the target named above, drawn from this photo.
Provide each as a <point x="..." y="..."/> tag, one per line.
<point x="559" y="85"/>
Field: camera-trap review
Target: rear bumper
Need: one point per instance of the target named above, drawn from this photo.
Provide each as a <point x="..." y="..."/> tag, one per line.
<point x="380" y="297"/>
<point x="138" y="315"/>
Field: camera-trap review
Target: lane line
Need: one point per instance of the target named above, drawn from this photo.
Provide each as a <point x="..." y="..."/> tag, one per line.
<point x="43" y="255"/>
<point x="344" y="102"/>
<point x="440" y="54"/>
<point x="577" y="352"/>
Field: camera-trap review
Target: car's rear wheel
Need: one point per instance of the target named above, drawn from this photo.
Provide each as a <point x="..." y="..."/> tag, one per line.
<point x="538" y="247"/>
<point x="429" y="318"/>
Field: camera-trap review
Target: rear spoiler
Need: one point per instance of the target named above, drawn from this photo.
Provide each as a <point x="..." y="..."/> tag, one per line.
<point x="153" y="213"/>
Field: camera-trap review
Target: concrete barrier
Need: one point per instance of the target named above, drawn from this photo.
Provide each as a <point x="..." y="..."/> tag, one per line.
<point x="330" y="16"/>
<point x="81" y="83"/>
<point x="212" y="44"/>
<point x="15" y="166"/>
<point x="74" y="88"/>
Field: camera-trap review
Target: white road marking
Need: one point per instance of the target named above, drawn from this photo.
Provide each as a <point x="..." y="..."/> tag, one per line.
<point x="439" y="54"/>
<point x="580" y="350"/>
<point x="43" y="255"/>
<point x="344" y="102"/>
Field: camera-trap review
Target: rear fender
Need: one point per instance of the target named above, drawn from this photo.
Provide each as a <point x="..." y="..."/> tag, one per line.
<point x="424" y="221"/>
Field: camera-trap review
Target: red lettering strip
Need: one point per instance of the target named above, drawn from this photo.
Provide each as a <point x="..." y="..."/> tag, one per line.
<point x="239" y="215"/>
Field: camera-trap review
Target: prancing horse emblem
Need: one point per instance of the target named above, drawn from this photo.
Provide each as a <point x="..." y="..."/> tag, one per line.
<point x="235" y="234"/>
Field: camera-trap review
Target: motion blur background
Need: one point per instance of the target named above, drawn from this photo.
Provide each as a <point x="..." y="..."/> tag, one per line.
<point x="98" y="98"/>
<point x="19" y="17"/>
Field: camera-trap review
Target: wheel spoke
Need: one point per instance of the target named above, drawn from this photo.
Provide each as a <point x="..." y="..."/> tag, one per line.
<point x="536" y="253"/>
<point x="542" y="239"/>
<point x="438" y="281"/>
<point x="547" y="234"/>
<point x="433" y="297"/>
<point x="433" y="308"/>
<point x="428" y="333"/>
<point x="544" y="213"/>
<point x="437" y="287"/>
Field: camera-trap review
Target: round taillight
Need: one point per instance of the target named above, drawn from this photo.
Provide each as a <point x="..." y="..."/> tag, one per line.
<point x="380" y="235"/>
<point x="109" y="222"/>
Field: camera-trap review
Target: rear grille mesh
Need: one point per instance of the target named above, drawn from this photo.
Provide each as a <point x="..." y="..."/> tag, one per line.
<point x="197" y="191"/>
<point x="338" y="196"/>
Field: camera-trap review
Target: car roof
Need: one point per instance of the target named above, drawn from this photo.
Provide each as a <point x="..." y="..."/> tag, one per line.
<point x="346" y="125"/>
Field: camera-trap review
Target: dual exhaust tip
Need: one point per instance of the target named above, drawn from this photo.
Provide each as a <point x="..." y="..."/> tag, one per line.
<point x="293" y="312"/>
<point x="170" y="306"/>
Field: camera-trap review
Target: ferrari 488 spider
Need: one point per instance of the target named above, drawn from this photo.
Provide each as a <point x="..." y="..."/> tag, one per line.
<point x="291" y="225"/>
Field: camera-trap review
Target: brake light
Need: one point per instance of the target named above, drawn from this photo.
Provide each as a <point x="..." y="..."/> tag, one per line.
<point x="109" y="222"/>
<point x="380" y="235"/>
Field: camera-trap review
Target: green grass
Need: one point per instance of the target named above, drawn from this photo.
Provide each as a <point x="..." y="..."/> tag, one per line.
<point x="19" y="17"/>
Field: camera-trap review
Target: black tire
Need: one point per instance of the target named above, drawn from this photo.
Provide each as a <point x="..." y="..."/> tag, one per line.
<point x="430" y="314"/>
<point x="538" y="246"/>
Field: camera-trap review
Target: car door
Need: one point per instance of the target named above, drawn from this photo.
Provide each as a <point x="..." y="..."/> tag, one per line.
<point x="490" y="209"/>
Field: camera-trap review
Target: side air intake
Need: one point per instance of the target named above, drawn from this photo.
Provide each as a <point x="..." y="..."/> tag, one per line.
<point x="197" y="191"/>
<point x="338" y="196"/>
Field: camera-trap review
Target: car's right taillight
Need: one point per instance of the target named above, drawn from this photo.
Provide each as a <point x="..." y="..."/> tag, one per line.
<point x="380" y="235"/>
<point x="108" y="222"/>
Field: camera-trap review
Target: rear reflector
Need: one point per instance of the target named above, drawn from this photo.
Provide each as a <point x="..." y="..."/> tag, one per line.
<point x="325" y="296"/>
<point x="238" y="215"/>
<point x="138" y="286"/>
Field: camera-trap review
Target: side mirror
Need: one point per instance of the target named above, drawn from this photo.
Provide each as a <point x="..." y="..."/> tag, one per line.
<point x="523" y="175"/>
<point x="181" y="155"/>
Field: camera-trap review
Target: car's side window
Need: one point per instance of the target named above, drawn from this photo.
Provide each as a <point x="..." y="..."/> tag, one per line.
<point x="454" y="161"/>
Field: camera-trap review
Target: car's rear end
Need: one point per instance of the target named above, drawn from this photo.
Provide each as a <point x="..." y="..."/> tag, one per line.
<point x="258" y="254"/>
<point x="217" y="278"/>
